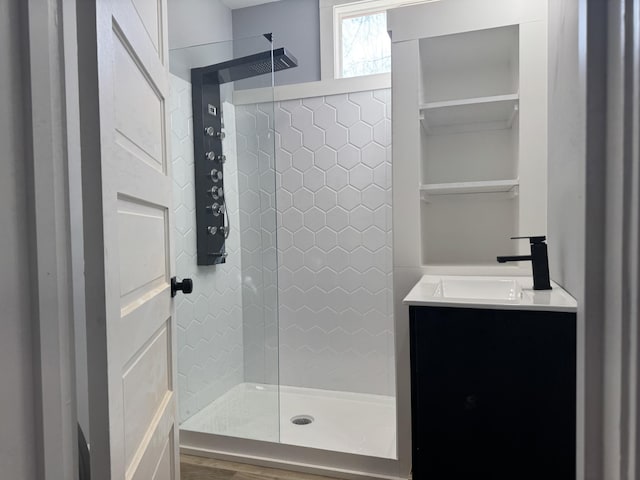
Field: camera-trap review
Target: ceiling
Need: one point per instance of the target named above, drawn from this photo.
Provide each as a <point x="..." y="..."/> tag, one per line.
<point x="233" y="4"/>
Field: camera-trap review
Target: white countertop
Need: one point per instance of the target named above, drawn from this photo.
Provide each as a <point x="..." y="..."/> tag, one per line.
<point x="499" y="292"/>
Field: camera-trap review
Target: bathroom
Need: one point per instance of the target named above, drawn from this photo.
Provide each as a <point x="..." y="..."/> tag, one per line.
<point x="287" y="349"/>
<point x="336" y="238"/>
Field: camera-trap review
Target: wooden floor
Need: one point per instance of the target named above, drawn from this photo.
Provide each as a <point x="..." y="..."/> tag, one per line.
<point x="198" y="468"/>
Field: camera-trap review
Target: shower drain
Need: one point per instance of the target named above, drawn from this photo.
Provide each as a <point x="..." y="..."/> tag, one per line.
<point x="302" y="419"/>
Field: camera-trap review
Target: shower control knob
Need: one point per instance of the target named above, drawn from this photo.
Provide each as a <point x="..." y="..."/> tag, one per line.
<point x="215" y="230"/>
<point x="215" y="175"/>
<point x="212" y="156"/>
<point x="213" y="133"/>
<point x="216" y="209"/>
<point x="216" y="192"/>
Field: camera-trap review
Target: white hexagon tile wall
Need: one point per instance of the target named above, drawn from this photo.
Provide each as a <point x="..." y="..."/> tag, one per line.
<point x="210" y="323"/>
<point x="328" y="324"/>
<point x="257" y="182"/>
<point x="334" y="240"/>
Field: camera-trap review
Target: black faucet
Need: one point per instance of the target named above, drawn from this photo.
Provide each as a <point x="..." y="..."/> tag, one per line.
<point x="539" y="261"/>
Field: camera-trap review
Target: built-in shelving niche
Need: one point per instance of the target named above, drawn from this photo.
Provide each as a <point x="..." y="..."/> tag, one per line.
<point x="469" y="114"/>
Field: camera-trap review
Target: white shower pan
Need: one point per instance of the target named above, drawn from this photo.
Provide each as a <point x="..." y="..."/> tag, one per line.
<point x="354" y="423"/>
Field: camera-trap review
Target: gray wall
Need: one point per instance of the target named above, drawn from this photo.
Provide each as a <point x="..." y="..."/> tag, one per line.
<point x="295" y="24"/>
<point x="17" y="434"/>
<point x="577" y="126"/>
<point x="567" y="147"/>
<point x="206" y="23"/>
<point x="567" y="170"/>
<point x="194" y="22"/>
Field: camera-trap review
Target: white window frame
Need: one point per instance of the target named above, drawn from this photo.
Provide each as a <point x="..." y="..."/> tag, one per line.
<point x="332" y="12"/>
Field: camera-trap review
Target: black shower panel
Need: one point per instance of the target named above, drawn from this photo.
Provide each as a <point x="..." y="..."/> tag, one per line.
<point x="211" y="214"/>
<point x="212" y="220"/>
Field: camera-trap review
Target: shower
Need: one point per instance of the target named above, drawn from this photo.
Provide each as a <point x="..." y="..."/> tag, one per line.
<point x="212" y="225"/>
<point x="283" y="220"/>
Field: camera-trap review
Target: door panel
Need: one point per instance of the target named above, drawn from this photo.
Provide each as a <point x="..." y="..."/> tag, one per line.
<point x="145" y="315"/>
<point x="142" y="242"/>
<point x="139" y="110"/>
<point x="145" y="384"/>
<point x="150" y="13"/>
<point x="153" y="461"/>
<point x="132" y="344"/>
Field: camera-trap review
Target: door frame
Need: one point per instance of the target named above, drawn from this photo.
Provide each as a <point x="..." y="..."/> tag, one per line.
<point x="618" y="189"/>
<point x="48" y="43"/>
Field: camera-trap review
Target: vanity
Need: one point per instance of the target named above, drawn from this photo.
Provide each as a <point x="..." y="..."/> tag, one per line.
<point x="493" y="361"/>
<point x="493" y="379"/>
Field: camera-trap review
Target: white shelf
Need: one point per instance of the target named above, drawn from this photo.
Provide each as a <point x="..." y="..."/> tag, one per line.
<point x="509" y="187"/>
<point x="470" y="64"/>
<point x="470" y="114"/>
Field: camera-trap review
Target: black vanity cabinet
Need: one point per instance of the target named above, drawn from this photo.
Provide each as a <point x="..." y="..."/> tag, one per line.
<point x="493" y="394"/>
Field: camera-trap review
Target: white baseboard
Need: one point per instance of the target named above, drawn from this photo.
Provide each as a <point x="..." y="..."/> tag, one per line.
<point x="290" y="457"/>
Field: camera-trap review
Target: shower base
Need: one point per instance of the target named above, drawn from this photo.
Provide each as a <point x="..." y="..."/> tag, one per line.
<point x="346" y="422"/>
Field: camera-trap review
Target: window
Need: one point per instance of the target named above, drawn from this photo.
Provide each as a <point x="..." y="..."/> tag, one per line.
<point x="365" y="45"/>
<point x="354" y="36"/>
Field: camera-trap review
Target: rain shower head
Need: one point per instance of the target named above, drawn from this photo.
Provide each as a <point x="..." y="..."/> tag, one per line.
<point x="249" y="66"/>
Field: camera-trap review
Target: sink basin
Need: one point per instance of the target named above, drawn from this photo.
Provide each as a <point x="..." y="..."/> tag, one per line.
<point x="501" y="292"/>
<point x="484" y="288"/>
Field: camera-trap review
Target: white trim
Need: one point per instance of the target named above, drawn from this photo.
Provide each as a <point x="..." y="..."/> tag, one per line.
<point x="54" y="367"/>
<point x="425" y="21"/>
<point x="331" y="11"/>
<point x="327" y="48"/>
<point x="294" y="458"/>
<point x="312" y="89"/>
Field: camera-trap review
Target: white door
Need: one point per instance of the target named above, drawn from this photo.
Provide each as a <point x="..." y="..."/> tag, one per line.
<point x="127" y="211"/>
